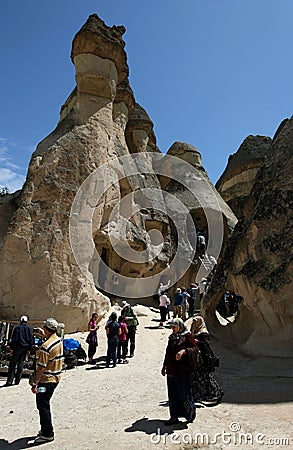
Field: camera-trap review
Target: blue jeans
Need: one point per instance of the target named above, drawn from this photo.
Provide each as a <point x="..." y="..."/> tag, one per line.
<point x="43" y="405"/>
<point x="112" y="351"/>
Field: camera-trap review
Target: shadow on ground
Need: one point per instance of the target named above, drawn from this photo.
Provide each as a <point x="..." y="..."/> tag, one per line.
<point x="151" y="427"/>
<point x="18" y="444"/>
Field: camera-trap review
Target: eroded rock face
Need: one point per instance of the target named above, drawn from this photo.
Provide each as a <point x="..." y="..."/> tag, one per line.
<point x="236" y="182"/>
<point x="48" y="267"/>
<point x="209" y="213"/>
<point x="257" y="263"/>
<point x="39" y="275"/>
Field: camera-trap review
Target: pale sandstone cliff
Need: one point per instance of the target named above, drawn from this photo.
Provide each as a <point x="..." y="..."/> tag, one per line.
<point x="258" y="260"/>
<point x="47" y="267"/>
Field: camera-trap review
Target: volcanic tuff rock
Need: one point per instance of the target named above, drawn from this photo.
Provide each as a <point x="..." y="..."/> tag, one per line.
<point x="237" y="180"/>
<point x="257" y="262"/>
<point x="99" y="123"/>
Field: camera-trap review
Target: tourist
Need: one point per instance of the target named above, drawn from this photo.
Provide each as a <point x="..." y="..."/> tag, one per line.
<point x="132" y="323"/>
<point x="178" y="365"/>
<point x="164" y="302"/>
<point x="202" y="287"/>
<point x="201" y="245"/>
<point x="178" y="300"/>
<point x="205" y="388"/>
<point x="194" y="301"/>
<point x="185" y="303"/>
<point x="47" y="377"/>
<point x="122" y="344"/>
<point x="20" y="345"/>
<point x="113" y="330"/>
<point x="92" y="338"/>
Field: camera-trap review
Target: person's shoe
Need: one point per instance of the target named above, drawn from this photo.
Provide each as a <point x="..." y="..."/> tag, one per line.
<point x="7" y="384"/>
<point x="171" y="421"/>
<point x="119" y="361"/>
<point x="131" y="355"/>
<point x="40" y="439"/>
<point x="192" y="417"/>
<point x="114" y="365"/>
<point x="125" y="361"/>
<point x="107" y="365"/>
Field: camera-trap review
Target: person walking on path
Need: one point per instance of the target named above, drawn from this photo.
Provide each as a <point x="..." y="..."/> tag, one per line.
<point x="164" y="303"/>
<point x="179" y="363"/>
<point x="205" y="388"/>
<point x="185" y="303"/>
<point x="178" y="300"/>
<point x="113" y="331"/>
<point x="20" y="345"/>
<point x="92" y="338"/>
<point x="132" y="322"/>
<point x="48" y="374"/>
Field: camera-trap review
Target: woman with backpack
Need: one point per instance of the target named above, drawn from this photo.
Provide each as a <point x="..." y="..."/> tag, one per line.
<point x="205" y="389"/>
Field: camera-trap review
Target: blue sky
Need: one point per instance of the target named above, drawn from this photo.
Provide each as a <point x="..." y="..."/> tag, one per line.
<point x="208" y="73"/>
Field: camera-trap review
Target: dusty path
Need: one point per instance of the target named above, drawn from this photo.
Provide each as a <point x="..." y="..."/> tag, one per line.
<point x="123" y="407"/>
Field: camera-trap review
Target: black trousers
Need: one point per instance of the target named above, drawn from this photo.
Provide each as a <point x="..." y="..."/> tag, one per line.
<point x="122" y="349"/>
<point x="43" y="405"/>
<point x="16" y="359"/>
<point x="131" y="338"/>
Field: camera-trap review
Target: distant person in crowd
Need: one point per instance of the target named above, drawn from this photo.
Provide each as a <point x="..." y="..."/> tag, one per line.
<point x="205" y="388"/>
<point x="238" y="299"/>
<point x="20" y="345"/>
<point x="164" y="287"/>
<point x="164" y="303"/>
<point x="113" y="331"/>
<point x="92" y="338"/>
<point x="226" y="304"/>
<point x="194" y="301"/>
<point x="122" y="344"/>
<point x="185" y="303"/>
<point x="202" y="287"/>
<point x="178" y="365"/>
<point x="131" y="321"/>
<point x="213" y="262"/>
<point x="48" y="374"/>
<point x="178" y="300"/>
<point x="201" y="245"/>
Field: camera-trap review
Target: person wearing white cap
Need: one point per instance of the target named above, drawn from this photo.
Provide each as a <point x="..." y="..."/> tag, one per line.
<point x="47" y="377"/>
<point x="20" y="344"/>
<point x="131" y="321"/>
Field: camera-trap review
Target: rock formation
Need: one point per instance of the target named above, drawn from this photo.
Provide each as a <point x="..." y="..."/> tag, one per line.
<point x="237" y="180"/>
<point x="257" y="262"/>
<point x="65" y="244"/>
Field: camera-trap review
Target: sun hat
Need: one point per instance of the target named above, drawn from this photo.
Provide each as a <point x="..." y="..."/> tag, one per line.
<point x="23" y="319"/>
<point x="51" y="324"/>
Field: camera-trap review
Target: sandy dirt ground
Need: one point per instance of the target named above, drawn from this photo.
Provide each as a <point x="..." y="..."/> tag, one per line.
<point x="95" y="407"/>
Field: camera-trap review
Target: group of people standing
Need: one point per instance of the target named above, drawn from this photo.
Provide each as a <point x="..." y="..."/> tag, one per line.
<point x="190" y="382"/>
<point x="120" y="332"/>
<point x="185" y="303"/>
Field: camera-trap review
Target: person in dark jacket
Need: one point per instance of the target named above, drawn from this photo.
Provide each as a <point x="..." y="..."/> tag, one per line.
<point x="20" y="345"/>
<point x="179" y="363"/>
